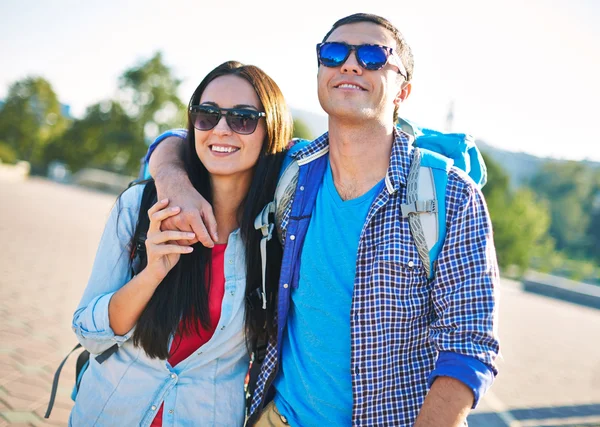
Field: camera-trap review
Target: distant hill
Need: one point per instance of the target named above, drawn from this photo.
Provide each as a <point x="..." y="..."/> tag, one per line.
<point x="519" y="166"/>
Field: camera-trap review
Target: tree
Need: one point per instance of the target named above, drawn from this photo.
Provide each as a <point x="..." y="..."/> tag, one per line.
<point x="569" y="189"/>
<point x="30" y="118"/>
<point x="105" y="138"/>
<point x="301" y="130"/>
<point x="148" y="94"/>
<point x="520" y="222"/>
<point x="593" y="231"/>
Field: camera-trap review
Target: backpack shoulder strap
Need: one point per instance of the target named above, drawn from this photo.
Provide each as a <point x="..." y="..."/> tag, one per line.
<point x="284" y="194"/>
<point x="55" y="382"/>
<point x="138" y="247"/>
<point x="425" y="205"/>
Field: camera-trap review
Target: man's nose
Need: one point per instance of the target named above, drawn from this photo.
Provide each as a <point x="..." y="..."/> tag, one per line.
<point x="351" y="65"/>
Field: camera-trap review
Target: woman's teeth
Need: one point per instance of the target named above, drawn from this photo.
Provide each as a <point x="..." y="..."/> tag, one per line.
<point x="220" y="149"/>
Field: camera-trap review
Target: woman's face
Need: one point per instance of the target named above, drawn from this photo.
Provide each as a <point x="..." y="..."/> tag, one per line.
<point x="222" y="151"/>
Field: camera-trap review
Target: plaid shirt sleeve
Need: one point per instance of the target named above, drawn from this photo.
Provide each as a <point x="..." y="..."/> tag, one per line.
<point x="467" y="279"/>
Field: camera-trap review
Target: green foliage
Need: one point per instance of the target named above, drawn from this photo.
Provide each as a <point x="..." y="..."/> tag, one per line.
<point x="570" y="190"/>
<point x="148" y="94"/>
<point x="519" y="220"/>
<point x="30" y="118"/>
<point x="594" y="233"/>
<point x="301" y="130"/>
<point x="106" y="138"/>
<point x="7" y="153"/>
<point x="559" y="264"/>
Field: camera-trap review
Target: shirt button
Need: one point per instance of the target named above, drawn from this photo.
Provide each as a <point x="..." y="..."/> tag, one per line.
<point x="292" y="237"/>
<point x="173" y="376"/>
<point x="302" y="188"/>
<point x="230" y="261"/>
<point x="153" y="408"/>
<point x="199" y="353"/>
<point x="232" y="293"/>
<point x="170" y="411"/>
<point x="286" y="285"/>
<point x="222" y="327"/>
<point x="411" y="264"/>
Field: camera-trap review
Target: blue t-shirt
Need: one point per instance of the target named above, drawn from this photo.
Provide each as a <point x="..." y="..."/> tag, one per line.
<point x="314" y="385"/>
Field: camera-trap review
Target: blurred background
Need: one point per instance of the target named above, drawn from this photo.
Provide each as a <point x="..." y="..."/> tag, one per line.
<point x="85" y="87"/>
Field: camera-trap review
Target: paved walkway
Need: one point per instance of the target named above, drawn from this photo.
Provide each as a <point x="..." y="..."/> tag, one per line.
<point x="550" y="374"/>
<point x="49" y="235"/>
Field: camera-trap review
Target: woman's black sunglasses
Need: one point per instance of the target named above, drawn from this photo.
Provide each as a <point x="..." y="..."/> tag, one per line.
<point x="369" y="56"/>
<point x="240" y="120"/>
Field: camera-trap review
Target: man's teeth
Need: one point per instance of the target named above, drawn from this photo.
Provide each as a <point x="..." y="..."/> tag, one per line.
<point x="347" y="85"/>
<point x="223" y="149"/>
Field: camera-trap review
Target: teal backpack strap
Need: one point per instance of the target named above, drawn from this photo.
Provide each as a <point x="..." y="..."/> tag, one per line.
<point x="425" y="205"/>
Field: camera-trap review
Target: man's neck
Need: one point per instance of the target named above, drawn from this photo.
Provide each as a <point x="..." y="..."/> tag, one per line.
<point x="359" y="156"/>
<point x="228" y="195"/>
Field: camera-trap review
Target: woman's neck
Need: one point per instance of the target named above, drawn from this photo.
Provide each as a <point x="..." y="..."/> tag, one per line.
<point x="228" y="193"/>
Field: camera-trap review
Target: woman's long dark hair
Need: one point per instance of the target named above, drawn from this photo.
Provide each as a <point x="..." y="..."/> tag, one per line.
<point x="183" y="293"/>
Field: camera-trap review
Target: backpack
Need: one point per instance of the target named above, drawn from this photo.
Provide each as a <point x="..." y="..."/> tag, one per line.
<point x="434" y="153"/>
<point x="138" y="262"/>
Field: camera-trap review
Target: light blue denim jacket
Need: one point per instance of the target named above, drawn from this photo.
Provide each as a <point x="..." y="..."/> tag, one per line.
<point x="206" y="389"/>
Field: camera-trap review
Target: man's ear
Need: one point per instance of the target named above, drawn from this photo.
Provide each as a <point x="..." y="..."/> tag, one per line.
<point x="403" y="93"/>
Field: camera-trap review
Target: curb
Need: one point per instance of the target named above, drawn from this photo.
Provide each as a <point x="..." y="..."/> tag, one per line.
<point x="562" y="289"/>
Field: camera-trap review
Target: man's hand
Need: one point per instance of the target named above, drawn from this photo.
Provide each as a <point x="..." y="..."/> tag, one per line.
<point x="196" y="213"/>
<point x="447" y="404"/>
<point x="172" y="183"/>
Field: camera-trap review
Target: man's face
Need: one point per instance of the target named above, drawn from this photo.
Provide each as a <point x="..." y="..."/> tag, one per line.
<point x="350" y="92"/>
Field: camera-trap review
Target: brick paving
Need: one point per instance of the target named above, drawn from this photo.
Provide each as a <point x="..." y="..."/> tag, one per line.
<point x="48" y="237"/>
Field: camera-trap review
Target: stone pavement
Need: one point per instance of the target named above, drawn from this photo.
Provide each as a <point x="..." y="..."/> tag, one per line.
<point x="48" y="238"/>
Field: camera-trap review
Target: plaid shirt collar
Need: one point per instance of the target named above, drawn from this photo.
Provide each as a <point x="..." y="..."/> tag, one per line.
<point x="400" y="158"/>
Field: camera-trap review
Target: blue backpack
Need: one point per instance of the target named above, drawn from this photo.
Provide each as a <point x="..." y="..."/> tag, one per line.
<point x="433" y="155"/>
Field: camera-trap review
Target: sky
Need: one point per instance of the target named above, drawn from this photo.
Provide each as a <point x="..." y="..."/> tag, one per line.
<point x="522" y="75"/>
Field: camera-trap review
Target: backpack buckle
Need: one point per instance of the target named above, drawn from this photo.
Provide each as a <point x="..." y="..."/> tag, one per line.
<point x="419" y="207"/>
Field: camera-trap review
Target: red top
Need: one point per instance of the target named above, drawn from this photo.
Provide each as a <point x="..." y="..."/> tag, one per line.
<point x="184" y="346"/>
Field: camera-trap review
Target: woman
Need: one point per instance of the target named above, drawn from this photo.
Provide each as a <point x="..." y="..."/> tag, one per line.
<point x="181" y="324"/>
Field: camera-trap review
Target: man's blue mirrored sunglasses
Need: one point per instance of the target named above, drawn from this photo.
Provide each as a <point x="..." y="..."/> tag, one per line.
<point x="369" y="56"/>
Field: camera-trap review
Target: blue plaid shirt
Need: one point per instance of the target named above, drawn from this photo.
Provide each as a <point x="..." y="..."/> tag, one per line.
<point x="405" y="329"/>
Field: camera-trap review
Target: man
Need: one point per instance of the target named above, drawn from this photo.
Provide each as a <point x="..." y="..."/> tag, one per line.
<point x="364" y="338"/>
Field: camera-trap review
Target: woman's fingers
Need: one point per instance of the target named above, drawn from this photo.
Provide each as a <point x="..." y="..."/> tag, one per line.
<point x="170" y="235"/>
<point x="163" y="250"/>
<point x="157" y="206"/>
<point x="157" y="216"/>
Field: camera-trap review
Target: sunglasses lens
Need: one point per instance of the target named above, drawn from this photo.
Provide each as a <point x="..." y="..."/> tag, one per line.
<point x="242" y="121"/>
<point x="372" y="57"/>
<point x="333" y="54"/>
<point x="205" y="118"/>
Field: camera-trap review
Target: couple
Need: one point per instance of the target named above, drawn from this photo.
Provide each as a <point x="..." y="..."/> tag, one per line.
<point x="357" y="334"/>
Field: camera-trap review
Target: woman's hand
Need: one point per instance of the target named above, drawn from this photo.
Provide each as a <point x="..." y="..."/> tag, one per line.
<point x="162" y="251"/>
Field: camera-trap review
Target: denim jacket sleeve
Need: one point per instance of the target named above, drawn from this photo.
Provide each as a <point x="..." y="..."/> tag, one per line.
<point x="464" y="291"/>
<point x="110" y="272"/>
